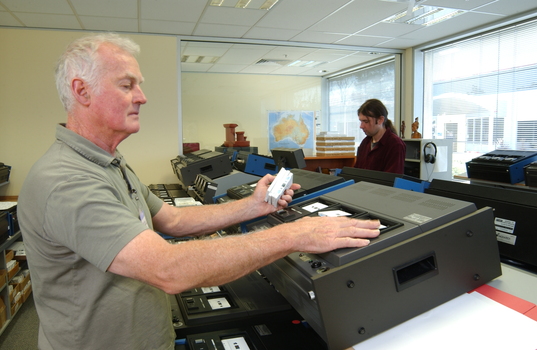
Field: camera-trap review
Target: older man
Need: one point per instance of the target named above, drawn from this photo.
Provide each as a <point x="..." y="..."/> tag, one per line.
<point x="100" y="272"/>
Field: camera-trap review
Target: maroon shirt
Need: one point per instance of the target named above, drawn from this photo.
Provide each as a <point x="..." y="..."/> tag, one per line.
<point x="388" y="155"/>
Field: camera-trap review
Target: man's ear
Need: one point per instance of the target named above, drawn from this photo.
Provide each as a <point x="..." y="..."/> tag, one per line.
<point x="80" y="91"/>
<point x="381" y="119"/>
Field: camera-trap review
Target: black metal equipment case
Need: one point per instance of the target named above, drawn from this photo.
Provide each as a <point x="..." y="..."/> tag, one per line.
<point x="431" y="250"/>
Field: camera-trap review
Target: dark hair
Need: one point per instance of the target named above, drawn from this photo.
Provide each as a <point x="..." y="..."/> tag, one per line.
<point x="373" y="108"/>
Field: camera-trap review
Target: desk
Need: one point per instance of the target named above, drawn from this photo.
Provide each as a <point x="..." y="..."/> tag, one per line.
<point x="471" y="321"/>
<point x="333" y="162"/>
<point x="517" y="282"/>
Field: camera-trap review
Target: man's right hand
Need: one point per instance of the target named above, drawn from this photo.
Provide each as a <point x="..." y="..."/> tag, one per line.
<point x="323" y="234"/>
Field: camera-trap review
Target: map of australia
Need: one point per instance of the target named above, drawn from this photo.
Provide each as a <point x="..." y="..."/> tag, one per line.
<point x="289" y="127"/>
<point x="293" y="129"/>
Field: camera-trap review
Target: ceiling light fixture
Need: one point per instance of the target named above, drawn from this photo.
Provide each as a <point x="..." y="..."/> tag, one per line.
<point x="245" y="4"/>
<point x="306" y="64"/>
<point x="242" y="4"/>
<point x="267" y="5"/>
<point x="199" y="59"/>
<point x="424" y="15"/>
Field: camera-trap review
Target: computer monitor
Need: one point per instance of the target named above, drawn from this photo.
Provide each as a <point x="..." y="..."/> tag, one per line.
<point x="288" y="157"/>
<point x="515" y="209"/>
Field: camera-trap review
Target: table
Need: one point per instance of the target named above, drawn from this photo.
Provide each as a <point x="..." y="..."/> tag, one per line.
<point x="332" y="162"/>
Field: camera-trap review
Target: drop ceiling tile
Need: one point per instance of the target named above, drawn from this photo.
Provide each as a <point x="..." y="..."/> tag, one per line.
<point x="291" y="52"/>
<point x="106" y="8"/>
<point x="109" y="24"/>
<point x="232" y="16"/>
<point x="205" y="49"/>
<point x="6" y="19"/>
<point x="510" y="8"/>
<point x="291" y="70"/>
<point x="453" y="26"/>
<point x="242" y="56"/>
<point x="326" y="55"/>
<point x="48" y="20"/>
<point x="459" y="4"/>
<point x="194" y="67"/>
<point x="299" y="14"/>
<point x="227" y="68"/>
<point x="60" y="7"/>
<point x="311" y="36"/>
<point x="358" y="15"/>
<point x="389" y="29"/>
<point x="400" y="43"/>
<point x="167" y="27"/>
<point x="172" y="10"/>
<point x="270" y="33"/>
<point x="221" y="30"/>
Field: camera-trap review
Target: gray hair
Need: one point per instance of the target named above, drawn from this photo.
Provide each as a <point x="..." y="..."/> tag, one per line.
<point x="80" y="60"/>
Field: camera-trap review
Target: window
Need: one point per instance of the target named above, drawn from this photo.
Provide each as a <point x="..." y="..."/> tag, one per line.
<point x="482" y="93"/>
<point x="347" y="92"/>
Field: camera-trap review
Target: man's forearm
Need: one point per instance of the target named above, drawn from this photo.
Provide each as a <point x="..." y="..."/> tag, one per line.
<point x="207" y="218"/>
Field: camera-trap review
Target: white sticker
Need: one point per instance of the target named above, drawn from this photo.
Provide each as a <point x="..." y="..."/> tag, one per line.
<point x="417" y="218"/>
<point x="219" y="303"/>
<point x="505" y="238"/>
<point x="314" y="207"/>
<point x="334" y="213"/>
<point x="505" y="225"/>
<point x="235" y="344"/>
<point x="210" y="289"/>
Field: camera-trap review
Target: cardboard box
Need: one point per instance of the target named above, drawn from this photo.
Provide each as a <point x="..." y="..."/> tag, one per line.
<point x="16" y="306"/>
<point x="3" y="278"/>
<point x="3" y="313"/>
<point x="9" y="255"/>
<point x="11" y="273"/>
<point x="26" y="291"/>
<point x="14" y="290"/>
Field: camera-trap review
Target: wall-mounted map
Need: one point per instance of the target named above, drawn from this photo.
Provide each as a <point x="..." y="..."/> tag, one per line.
<point x="291" y="129"/>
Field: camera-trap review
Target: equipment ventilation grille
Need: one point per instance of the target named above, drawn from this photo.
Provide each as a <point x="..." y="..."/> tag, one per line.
<point x="383" y="191"/>
<point x="437" y="204"/>
<point x="407" y="197"/>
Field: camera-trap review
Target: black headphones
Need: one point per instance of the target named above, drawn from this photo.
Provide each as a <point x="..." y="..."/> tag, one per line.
<point x="429" y="158"/>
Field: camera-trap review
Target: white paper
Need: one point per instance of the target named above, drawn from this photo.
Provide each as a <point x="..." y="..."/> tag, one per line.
<point x="471" y="321"/>
<point x="7" y="205"/>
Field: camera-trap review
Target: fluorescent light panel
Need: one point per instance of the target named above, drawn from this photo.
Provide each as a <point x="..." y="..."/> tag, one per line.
<point x="199" y="59"/>
<point x="424" y="15"/>
<point x="245" y="4"/>
<point x="307" y="64"/>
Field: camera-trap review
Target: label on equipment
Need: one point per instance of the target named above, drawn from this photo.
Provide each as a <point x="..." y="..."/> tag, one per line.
<point x="219" y="303"/>
<point x="235" y="344"/>
<point x="504" y="230"/>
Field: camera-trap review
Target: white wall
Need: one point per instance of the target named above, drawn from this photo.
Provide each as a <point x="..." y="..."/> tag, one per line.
<point x="30" y="107"/>
<point x="212" y="100"/>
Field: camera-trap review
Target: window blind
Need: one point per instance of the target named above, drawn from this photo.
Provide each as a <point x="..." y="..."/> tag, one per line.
<point x="347" y="92"/>
<point x="482" y="92"/>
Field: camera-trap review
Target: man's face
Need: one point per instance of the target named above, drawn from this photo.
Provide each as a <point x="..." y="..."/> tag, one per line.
<point x="117" y="105"/>
<point x="370" y="126"/>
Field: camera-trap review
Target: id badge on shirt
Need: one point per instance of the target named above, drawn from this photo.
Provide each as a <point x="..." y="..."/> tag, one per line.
<point x="142" y="216"/>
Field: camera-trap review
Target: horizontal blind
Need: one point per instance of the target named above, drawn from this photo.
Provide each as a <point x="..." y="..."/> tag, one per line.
<point x="346" y="93"/>
<point x="487" y="87"/>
